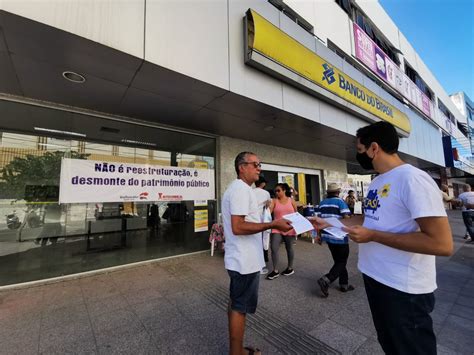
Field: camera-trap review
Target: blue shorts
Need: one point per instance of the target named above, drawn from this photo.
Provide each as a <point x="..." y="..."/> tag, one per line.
<point x="244" y="291"/>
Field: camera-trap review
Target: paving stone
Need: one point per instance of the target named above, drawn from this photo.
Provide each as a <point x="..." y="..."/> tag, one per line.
<point x="125" y="341"/>
<point x="70" y="347"/>
<point x="158" y="316"/>
<point x="98" y="306"/>
<point x="459" y="341"/>
<point x="443" y="350"/>
<point x="62" y="336"/>
<point x="347" y="340"/>
<point x="116" y="319"/>
<point x="463" y="311"/>
<point x="20" y="344"/>
<point x="465" y="301"/>
<point x="358" y="319"/>
<point x="370" y="347"/>
<point x="55" y="317"/>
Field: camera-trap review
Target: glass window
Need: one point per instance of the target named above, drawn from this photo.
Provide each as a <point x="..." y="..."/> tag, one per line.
<point x="41" y="238"/>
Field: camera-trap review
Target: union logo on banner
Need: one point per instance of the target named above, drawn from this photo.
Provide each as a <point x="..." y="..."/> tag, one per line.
<point x="143" y="196"/>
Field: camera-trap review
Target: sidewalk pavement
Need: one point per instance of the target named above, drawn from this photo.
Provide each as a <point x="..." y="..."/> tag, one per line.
<point x="178" y="306"/>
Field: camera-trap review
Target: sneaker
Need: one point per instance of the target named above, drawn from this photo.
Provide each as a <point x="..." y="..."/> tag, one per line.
<point x="288" y="272"/>
<point x="468" y="240"/>
<point x="346" y="288"/>
<point x="264" y="271"/>
<point x="466" y="236"/>
<point x="324" y="286"/>
<point x="273" y="275"/>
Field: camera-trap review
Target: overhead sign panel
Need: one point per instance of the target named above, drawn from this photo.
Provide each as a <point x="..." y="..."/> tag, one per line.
<point x="266" y="39"/>
<point x="378" y="62"/>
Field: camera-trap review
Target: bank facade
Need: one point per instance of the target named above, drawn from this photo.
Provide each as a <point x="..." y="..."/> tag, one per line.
<point x="120" y="123"/>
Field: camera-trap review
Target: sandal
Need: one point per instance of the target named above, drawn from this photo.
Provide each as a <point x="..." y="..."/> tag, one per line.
<point x="253" y="351"/>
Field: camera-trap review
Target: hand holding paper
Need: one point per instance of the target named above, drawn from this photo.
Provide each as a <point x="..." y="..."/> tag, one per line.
<point x="336" y="228"/>
<point x="300" y="224"/>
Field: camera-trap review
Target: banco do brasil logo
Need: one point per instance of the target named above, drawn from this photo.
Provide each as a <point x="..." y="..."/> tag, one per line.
<point x="328" y="73"/>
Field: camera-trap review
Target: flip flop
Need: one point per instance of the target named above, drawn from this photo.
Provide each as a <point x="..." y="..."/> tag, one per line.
<point x="253" y="351"/>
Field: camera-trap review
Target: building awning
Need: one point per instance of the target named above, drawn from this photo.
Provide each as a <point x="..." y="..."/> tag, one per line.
<point x="271" y="50"/>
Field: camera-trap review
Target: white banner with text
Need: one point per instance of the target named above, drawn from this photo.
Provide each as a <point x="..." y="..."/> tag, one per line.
<point x="84" y="181"/>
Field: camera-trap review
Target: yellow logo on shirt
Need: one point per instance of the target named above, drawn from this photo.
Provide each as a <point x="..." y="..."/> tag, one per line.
<point x="385" y="190"/>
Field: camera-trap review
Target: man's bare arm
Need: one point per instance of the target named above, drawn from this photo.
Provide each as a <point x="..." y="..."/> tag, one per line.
<point x="241" y="227"/>
<point x="434" y="237"/>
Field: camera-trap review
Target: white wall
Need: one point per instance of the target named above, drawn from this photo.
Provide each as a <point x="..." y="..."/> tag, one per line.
<point x="116" y="24"/>
<point x="190" y="37"/>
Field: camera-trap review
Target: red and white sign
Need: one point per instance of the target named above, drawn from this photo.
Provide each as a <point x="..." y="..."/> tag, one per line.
<point x="85" y="181"/>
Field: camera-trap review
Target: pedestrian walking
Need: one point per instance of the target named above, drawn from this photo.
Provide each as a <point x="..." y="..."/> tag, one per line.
<point x="333" y="206"/>
<point x="467" y="200"/>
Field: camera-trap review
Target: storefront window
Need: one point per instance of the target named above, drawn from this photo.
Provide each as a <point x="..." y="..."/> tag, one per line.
<point x="42" y="238"/>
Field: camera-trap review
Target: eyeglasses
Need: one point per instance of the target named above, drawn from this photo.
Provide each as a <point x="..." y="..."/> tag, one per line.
<point x="256" y="164"/>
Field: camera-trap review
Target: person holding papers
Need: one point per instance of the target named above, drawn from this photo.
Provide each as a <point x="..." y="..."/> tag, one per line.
<point x="334" y="207"/>
<point x="282" y="205"/>
<point x="403" y="228"/>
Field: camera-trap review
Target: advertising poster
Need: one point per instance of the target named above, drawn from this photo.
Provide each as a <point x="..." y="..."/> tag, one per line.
<point x="201" y="220"/>
<point x="391" y="73"/>
<point x="85" y="181"/>
<point x="380" y="66"/>
<point x="288" y="178"/>
<point x="364" y="47"/>
<point x="378" y="62"/>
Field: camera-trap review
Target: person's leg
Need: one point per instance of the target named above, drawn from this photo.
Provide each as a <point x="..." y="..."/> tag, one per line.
<point x="343" y="275"/>
<point x="265" y="255"/>
<point x="275" y="245"/>
<point x="467" y="222"/>
<point x="236" y="332"/>
<point x="290" y="253"/>
<point x="338" y="255"/>
<point x="470" y="224"/>
<point x="402" y="320"/>
<point x="243" y="300"/>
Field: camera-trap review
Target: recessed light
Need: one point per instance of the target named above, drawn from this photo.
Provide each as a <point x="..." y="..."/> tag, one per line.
<point x="69" y="133"/>
<point x="74" y="77"/>
<point x="138" y="142"/>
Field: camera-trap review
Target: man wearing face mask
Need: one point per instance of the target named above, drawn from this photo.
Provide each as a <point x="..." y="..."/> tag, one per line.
<point x="404" y="227"/>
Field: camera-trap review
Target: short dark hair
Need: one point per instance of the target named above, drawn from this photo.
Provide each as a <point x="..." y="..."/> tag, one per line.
<point x="350" y="191"/>
<point x="382" y="133"/>
<point x="239" y="159"/>
<point x="333" y="193"/>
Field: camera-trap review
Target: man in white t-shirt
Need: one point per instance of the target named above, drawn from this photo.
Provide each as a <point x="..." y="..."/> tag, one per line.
<point x="243" y="246"/>
<point x="404" y="227"/>
<point x="467" y="199"/>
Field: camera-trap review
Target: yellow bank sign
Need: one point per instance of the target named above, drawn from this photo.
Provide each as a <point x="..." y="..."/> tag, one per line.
<point x="280" y="51"/>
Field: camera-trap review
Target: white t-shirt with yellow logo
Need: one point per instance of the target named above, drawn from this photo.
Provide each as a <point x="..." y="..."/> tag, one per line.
<point x="393" y="202"/>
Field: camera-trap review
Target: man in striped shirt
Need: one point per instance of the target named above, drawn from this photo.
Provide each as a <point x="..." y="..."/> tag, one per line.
<point x="333" y="206"/>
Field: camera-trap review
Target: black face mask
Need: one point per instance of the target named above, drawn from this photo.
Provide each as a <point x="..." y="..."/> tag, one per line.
<point x="365" y="161"/>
